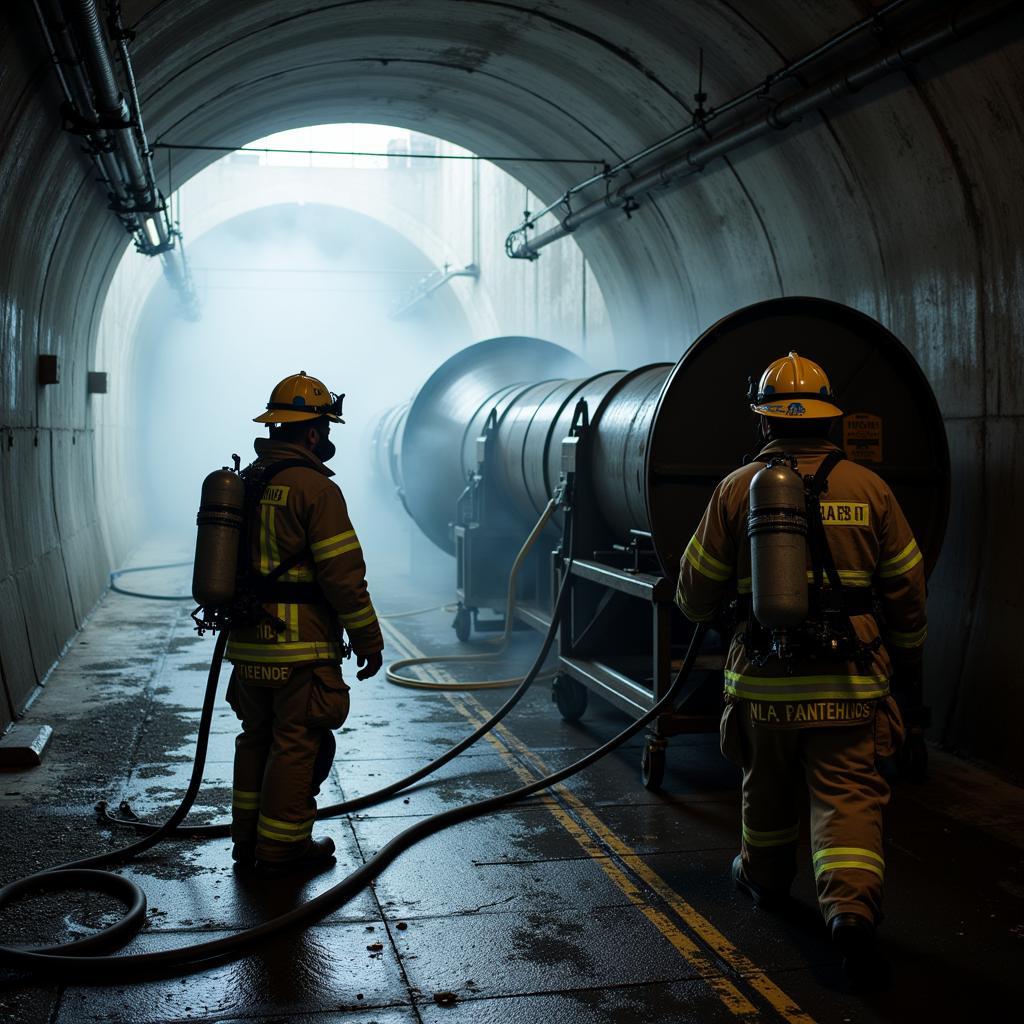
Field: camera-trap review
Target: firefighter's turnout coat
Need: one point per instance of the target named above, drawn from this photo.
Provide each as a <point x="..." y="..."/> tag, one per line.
<point x="825" y="722"/>
<point x="303" y="512"/>
<point x="872" y="546"/>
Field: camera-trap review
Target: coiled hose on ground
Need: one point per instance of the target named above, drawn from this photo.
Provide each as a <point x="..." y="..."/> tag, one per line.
<point x="84" y="956"/>
<point x="394" y="676"/>
<point x="91" y="956"/>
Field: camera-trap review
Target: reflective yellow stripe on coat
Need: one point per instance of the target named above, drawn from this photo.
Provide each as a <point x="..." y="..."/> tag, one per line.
<point x="848" y="577"/>
<point x="901" y="563"/>
<point x="286" y="653"/>
<point x="907" y="641"/>
<point x="791" y="688"/>
<point x="706" y="564"/>
<point x="331" y="547"/>
<point x="691" y="614"/>
<point x="358" y="620"/>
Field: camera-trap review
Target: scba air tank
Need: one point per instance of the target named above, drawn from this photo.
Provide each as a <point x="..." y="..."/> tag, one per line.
<point x="220" y="520"/>
<point x="777" y="528"/>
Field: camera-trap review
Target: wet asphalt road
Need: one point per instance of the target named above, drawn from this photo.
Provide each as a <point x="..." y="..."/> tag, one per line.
<point x="597" y="902"/>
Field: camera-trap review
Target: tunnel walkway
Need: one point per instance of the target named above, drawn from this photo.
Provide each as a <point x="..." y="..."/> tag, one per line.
<point x="597" y="902"/>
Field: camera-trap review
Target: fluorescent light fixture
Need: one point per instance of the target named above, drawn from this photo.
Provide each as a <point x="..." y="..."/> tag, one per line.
<point x="151" y="231"/>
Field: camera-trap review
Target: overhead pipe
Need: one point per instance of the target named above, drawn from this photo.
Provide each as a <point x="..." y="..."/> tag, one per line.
<point x="850" y="79"/>
<point x="430" y="284"/>
<point x="702" y="118"/>
<point x="122" y="37"/>
<point x="111" y="104"/>
<point x="78" y="97"/>
<point x="96" y="108"/>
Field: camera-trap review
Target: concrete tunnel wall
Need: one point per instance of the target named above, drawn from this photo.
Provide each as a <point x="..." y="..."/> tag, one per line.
<point x="904" y="202"/>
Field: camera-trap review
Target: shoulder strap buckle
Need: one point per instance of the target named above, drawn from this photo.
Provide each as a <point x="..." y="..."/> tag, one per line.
<point x="817" y="484"/>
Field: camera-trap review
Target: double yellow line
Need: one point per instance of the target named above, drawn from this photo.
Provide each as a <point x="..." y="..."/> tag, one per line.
<point x="696" y="940"/>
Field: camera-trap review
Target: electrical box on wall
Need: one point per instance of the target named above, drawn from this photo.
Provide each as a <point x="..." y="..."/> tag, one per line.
<point x="97" y="382"/>
<point x="48" y="370"/>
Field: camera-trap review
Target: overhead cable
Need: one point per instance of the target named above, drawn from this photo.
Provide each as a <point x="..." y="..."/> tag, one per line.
<point x="400" y="155"/>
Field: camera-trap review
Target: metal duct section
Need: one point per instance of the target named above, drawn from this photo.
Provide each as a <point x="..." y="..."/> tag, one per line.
<point x="661" y="436"/>
<point x="428" y="448"/>
<point x="384" y="443"/>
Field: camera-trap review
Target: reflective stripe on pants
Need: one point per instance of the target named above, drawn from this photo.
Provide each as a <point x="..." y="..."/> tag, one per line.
<point x="847" y="796"/>
<point x="280" y="762"/>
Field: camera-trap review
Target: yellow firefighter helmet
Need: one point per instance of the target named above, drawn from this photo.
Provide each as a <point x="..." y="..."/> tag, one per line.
<point x="301" y="397"/>
<point x="794" y="388"/>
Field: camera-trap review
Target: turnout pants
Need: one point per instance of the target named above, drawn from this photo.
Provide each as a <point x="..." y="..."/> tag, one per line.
<point x="846" y="793"/>
<point x="282" y="756"/>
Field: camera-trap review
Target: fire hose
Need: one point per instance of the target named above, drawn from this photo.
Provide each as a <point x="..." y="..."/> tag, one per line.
<point x="91" y="955"/>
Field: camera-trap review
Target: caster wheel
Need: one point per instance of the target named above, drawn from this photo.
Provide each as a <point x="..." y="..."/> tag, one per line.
<point x="571" y="698"/>
<point x="463" y="624"/>
<point x="652" y="765"/>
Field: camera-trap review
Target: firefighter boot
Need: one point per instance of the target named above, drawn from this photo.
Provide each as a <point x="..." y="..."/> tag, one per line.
<point x="244" y="855"/>
<point x="865" y="968"/>
<point x="764" y="899"/>
<point x="318" y="854"/>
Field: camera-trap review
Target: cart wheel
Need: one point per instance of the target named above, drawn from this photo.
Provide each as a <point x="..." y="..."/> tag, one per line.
<point x="652" y="764"/>
<point x="463" y="624"/>
<point x="570" y="696"/>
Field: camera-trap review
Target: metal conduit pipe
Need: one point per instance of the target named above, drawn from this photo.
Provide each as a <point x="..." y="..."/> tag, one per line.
<point x="110" y="102"/>
<point x="850" y="79"/>
<point x="648" y="455"/>
<point x="78" y="95"/>
<point x="758" y="91"/>
<point x="97" y="109"/>
<point x="162" y="224"/>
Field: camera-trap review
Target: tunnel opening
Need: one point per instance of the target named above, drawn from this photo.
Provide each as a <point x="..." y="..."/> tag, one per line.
<point x="355" y="250"/>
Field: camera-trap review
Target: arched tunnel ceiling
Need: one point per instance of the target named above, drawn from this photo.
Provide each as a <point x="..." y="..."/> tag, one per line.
<point x="904" y="202"/>
<point x="595" y="79"/>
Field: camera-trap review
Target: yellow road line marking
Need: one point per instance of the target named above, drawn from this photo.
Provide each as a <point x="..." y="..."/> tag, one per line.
<point x="732" y="998"/>
<point x="709" y="972"/>
<point x="700" y="925"/>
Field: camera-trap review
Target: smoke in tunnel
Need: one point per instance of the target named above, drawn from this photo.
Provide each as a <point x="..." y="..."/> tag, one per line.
<point x="367" y="271"/>
<point x="284" y="289"/>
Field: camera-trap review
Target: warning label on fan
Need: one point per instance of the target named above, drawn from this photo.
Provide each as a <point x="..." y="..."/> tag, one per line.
<point x="862" y="437"/>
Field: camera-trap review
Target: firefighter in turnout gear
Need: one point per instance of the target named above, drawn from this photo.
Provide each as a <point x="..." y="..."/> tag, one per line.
<point x="307" y="569"/>
<point x="819" y="713"/>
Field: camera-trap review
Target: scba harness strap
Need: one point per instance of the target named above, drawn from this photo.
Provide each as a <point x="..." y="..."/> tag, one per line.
<point x="270" y="588"/>
<point x="822" y="562"/>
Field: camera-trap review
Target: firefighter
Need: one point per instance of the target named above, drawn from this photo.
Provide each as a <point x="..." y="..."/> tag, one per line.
<point x="286" y="686"/>
<point x="812" y="707"/>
